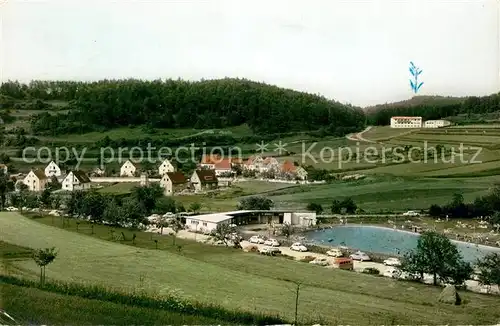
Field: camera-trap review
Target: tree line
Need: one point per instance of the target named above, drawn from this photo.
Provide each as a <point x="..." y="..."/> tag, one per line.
<point x="432" y="108"/>
<point x="487" y="206"/>
<point x="219" y="103"/>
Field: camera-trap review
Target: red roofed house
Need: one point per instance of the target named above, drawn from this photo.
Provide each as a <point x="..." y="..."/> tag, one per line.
<point x="252" y="163"/>
<point x="269" y="164"/>
<point x="173" y="182"/>
<point x="204" y="180"/>
<point x="209" y="161"/>
<point x="289" y="168"/>
<point x="223" y="167"/>
<point x="36" y="180"/>
<point x="406" y="122"/>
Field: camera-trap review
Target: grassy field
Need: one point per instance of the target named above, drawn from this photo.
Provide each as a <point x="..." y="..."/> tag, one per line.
<point x="119" y="188"/>
<point x="79" y="311"/>
<point x="240" y="280"/>
<point x="385" y="133"/>
<point x="375" y="194"/>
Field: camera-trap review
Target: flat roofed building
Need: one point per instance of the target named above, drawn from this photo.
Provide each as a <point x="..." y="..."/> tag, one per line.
<point x="406" y="122"/>
<point x="436" y="123"/>
<point x="208" y="222"/>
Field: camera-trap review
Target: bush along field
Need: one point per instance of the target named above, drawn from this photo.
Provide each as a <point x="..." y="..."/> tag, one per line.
<point x="169" y="309"/>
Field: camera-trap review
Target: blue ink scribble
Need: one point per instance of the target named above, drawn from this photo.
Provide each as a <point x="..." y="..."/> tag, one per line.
<point x="415" y="72"/>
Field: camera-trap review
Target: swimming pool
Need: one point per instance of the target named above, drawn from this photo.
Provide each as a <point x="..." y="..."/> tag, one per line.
<point x="384" y="240"/>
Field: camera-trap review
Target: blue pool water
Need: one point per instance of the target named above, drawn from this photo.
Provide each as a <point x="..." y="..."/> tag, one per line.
<point x="385" y="241"/>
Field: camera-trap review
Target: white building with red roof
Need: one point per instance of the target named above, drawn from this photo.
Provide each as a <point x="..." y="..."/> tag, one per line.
<point x="406" y="122"/>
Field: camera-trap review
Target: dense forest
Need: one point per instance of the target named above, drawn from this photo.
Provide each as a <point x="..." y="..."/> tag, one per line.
<point x="434" y="107"/>
<point x="219" y="103"/>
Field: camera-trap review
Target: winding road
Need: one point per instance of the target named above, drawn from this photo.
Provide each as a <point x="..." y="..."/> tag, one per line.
<point x="359" y="136"/>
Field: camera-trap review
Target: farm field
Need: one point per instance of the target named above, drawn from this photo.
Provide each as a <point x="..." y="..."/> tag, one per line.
<point x="240" y="280"/>
<point x="386" y="132"/>
<point x="376" y="194"/>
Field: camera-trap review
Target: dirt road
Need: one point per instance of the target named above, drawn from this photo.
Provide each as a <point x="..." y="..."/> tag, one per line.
<point x="359" y="136"/>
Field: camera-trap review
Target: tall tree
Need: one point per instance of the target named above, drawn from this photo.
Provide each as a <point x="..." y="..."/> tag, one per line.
<point x="437" y="255"/>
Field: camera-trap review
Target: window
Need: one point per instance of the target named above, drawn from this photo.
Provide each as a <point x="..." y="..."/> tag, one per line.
<point x="204" y="224"/>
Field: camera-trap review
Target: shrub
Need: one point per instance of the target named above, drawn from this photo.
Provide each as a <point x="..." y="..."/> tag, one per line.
<point x="307" y="259"/>
<point x="371" y="271"/>
<point x="251" y="248"/>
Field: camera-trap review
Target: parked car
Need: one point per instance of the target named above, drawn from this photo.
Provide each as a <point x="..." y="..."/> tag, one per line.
<point x="297" y="246"/>
<point x="392" y="262"/>
<point x="272" y="243"/>
<point x="256" y="239"/>
<point x="335" y="252"/>
<point x="322" y="261"/>
<point x="359" y="255"/>
<point x="392" y="272"/>
<point x="269" y="251"/>
<point x="411" y="213"/>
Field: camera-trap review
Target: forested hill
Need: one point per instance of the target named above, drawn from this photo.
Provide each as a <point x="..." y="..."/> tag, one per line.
<point x="434" y="107"/>
<point x="177" y="103"/>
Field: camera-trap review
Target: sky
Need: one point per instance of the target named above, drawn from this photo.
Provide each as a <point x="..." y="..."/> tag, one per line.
<point x="352" y="51"/>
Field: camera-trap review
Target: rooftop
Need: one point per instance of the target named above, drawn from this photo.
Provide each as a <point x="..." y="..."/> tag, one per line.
<point x="224" y="216"/>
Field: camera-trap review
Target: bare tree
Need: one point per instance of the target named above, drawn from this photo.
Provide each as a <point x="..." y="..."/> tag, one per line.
<point x="296" y="290"/>
<point x="176" y="226"/>
<point x="42" y="258"/>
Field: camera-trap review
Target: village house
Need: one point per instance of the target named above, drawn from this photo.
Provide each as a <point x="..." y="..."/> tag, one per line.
<point x="165" y="167"/>
<point x="296" y="171"/>
<point x="204" y="180"/>
<point x="252" y="163"/>
<point x="76" y="180"/>
<point x="209" y="161"/>
<point x="52" y="170"/>
<point x="128" y="169"/>
<point x="36" y="180"/>
<point x="269" y="164"/>
<point x="173" y="182"/>
<point x="223" y="167"/>
<point x="4" y="168"/>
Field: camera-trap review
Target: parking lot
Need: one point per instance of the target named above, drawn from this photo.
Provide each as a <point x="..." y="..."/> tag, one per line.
<point x="360" y="266"/>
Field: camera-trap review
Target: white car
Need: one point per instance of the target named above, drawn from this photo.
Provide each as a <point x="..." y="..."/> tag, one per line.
<point x="269" y="251"/>
<point x="392" y="262"/>
<point x="272" y="243"/>
<point x="335" y="253"/>
<point x="256" y="239"/>
<point x="297" y="246"/>
<point x="411" y="213"/>
<point x="320" y="261"/>
<point x="359" y="255"/>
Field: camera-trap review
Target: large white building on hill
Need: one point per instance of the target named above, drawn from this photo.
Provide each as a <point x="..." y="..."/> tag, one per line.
<point x="406" y="122"/>
<point x="417" y="122"/>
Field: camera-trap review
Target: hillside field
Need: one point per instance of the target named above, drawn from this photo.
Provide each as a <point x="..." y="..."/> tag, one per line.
<point x="239" y="280"/>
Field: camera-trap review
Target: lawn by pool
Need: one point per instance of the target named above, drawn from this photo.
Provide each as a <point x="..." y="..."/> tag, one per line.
<point x="385" y="241"/>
